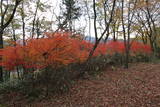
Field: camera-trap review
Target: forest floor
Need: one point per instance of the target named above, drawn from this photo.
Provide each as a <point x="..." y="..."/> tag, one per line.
<point x="139" y="86"/>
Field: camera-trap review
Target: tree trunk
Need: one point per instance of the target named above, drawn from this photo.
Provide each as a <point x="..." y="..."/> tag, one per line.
<point x="23" y="24"/>
<point x="1" y="47"/>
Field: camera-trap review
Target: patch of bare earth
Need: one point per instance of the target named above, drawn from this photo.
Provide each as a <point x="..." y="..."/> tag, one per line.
<point x="139" y="86"/>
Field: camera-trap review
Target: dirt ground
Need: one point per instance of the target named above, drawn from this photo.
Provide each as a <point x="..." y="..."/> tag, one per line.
<point x="139" y="86"/>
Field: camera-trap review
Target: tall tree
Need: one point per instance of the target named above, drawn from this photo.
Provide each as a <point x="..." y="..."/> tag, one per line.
<point x="71" y="12"/>
<point x="147" y="15"/>
<point x="107" y="25"/>
<point x="127" y="16"/>
<point x="5" y="21"/>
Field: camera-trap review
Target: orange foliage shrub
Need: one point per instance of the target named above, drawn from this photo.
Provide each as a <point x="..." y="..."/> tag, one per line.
<point x="12" y="57"/>
<point x="56" y="50"/>
<point x="60" y="49"/>
<point x="140" y="48"/>
<point x="113" y="47"/>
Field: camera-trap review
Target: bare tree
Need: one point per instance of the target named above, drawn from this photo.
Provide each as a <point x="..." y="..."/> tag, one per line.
<point x="148" y="20"/>
<point x="23" y="22"/>
<point x="97" y="37"/>
<point x="4" y="24"/>
<point x="127" y="19"/>
<point x="34" y="18"/>
<point x="89" y="17"/>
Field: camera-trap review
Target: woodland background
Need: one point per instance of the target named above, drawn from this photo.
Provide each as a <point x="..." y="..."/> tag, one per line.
<point x="43" y="50"/>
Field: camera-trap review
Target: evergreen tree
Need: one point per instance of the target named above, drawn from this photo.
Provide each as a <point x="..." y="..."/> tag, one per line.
<point x="71" y="12"/>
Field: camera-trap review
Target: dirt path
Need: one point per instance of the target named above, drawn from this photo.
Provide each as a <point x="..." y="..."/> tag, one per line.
<point x="137" y="87"/>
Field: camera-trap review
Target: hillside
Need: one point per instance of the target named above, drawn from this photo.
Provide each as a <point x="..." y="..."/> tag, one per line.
<point x="139" y="86"/>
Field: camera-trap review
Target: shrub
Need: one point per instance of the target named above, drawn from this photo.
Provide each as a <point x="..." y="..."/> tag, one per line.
<point x="50" y="64"/>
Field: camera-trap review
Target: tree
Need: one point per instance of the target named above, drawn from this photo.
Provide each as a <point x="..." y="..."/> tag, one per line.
<point x="147" y="15"/>
<point x="71" y="13"/>
<point x="4" y="10"/>
<point x="107" y="25"/>
<point x="127" y="23"/>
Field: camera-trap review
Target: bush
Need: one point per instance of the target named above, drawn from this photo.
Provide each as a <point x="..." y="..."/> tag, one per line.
<point x="141" y="58"/>
<point x="51" y="64"/>
<point x="20" y="86"/>
<point x="11" y="85"/>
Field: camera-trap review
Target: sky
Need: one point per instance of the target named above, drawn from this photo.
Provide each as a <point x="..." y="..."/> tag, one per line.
<point x="79" y="23"/>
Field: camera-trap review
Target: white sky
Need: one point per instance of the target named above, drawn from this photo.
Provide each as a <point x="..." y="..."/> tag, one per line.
<point x="81" y="22"/>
